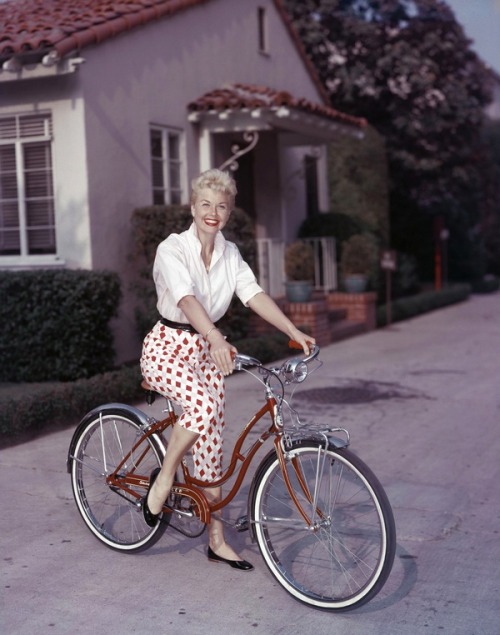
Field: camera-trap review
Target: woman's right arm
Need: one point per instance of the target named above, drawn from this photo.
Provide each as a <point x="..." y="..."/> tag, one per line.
<point x="220" y="349"/>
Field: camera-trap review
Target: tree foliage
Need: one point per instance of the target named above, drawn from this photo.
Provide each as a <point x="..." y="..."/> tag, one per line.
<point x="407" y="66"/>
<point x="357" y="174"/>
<point x="490" y="221"/>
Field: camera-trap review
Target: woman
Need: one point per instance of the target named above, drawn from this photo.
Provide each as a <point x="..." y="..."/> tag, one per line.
<point x="185" y="356"/>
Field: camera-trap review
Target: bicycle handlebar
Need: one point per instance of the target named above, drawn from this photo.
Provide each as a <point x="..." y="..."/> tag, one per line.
<point x="313" y="348"/>
<point x="246" y="360"/>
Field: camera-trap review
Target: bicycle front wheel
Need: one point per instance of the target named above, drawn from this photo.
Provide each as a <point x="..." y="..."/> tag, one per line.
<point x="113" y="515"/>
<point x="342" y="558"/>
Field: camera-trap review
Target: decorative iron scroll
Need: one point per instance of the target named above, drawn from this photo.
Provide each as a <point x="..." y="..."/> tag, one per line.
<point x="251" y="139"/>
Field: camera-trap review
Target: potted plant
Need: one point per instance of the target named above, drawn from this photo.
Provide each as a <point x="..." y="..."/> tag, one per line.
<point x="359" y="255"/>
<point x="299" y="270"/>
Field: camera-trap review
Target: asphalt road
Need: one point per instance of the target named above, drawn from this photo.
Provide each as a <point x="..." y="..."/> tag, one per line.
<point x="421" y="400"/>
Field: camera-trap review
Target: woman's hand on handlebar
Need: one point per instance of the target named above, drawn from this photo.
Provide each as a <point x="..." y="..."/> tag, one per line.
<point x="222" y="352"/>
<point x="305" y="341"/>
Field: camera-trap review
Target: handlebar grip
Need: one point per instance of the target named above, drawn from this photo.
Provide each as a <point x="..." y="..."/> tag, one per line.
<point x="294" y="344"/>
<point x="314" y="350"/>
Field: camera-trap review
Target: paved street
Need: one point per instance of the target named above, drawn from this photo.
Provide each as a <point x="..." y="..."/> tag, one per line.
<point x="421" y="400"/>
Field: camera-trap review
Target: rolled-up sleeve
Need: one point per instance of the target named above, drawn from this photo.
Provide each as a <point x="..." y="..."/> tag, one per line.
<point x="246" y="283"/>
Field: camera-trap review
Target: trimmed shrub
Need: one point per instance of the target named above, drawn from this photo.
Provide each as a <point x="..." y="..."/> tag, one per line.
<point x="299" y="261"/>
<point x="55" y="324"/>
<point x="64" y="404"/>
<point x="488" y="284"/>
<point x="359" y="255"/>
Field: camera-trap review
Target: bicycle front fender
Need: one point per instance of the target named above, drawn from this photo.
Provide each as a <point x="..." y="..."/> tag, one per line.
<point x="334" y="443"/>
<point x="110" y="408"/>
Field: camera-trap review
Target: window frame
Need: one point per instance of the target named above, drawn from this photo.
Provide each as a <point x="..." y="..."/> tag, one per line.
<point x="167" y="162"/>
<point x="19" y="143"/>
<point x="262" y="31"/>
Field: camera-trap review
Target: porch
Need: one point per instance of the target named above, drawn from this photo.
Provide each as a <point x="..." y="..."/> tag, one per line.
<point x="331" y="315"/>
<point x="271" y="258"/>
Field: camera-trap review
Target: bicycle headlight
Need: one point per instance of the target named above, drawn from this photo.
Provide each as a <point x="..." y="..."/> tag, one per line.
<point x="295" y="371"/>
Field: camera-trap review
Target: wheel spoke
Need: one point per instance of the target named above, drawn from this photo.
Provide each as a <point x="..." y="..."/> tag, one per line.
<point x="344" y="557"/>
<point x="113" y="516"/>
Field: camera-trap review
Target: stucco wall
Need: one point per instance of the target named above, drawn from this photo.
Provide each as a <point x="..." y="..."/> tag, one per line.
<point x="102" y="115"/>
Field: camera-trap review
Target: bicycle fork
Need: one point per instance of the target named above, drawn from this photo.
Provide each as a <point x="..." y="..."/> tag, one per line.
<point x="286" y="457"/>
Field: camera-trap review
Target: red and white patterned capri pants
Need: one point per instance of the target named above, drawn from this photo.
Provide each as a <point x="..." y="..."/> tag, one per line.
<point x="179" y="366"/>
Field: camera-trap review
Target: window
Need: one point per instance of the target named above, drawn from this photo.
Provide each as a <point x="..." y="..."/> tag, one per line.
<point x="166" y="165"/>
<point x="262" y="29"/>
<point x="27" y="219"/>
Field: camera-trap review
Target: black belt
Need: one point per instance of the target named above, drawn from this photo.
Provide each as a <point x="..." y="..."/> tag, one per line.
<point x="178" y="325"/>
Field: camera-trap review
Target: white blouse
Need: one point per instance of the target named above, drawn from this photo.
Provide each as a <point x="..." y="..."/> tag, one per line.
<point x="179" y="271"/>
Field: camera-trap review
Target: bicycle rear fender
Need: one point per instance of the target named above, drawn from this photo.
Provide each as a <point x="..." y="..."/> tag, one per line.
<point x="110" y="408"/>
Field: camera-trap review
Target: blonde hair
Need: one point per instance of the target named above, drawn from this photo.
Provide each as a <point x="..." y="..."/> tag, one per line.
<point x="216" y="180"/>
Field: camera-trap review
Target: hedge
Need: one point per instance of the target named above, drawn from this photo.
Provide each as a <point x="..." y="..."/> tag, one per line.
<point x="487" y="284"/>
<point x="55" y="324"/>
<point x="409" y="307"/>
<point x="65" y="404"/>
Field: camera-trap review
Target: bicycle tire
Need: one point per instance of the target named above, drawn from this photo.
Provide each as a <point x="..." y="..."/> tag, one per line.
<point x="346" y="560"/>
<point x="113" y="517"/>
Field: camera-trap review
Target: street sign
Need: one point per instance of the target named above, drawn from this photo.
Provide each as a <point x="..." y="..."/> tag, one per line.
<point x="388" y="260"/>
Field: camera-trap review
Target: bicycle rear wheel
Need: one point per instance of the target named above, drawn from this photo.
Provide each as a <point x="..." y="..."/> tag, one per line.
<point x="113" y="515"/>
<point x="344" y="558"/>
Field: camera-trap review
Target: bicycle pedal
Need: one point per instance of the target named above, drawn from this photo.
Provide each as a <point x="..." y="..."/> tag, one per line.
<point x="242" y="523"/>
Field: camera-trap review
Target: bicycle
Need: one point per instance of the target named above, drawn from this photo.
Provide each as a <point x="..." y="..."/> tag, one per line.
<point x="319" y="515"/>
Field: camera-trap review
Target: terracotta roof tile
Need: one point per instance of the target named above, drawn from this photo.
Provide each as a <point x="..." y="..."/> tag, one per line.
<point x="34" y="27"/>
<point x="30" y="29"/>
<point x="246" y="96"/>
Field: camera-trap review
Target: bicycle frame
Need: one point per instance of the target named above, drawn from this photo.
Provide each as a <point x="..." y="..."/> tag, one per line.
<point x="193" y="487"/>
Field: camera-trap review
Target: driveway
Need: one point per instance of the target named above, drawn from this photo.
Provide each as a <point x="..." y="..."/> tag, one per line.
<point x="421" y="401"/>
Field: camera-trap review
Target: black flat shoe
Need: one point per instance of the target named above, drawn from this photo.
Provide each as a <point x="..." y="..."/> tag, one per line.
<point x="150" y="518"/>
<point x="241" y="565"/>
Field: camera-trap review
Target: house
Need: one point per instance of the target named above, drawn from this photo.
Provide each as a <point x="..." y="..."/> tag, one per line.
<point x="108" y="106"/>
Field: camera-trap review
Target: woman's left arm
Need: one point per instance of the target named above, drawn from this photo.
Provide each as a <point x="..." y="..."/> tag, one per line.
<point x="267" y="308"/>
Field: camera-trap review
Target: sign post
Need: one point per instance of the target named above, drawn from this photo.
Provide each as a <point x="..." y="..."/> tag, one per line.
<point x="388" y="264"/>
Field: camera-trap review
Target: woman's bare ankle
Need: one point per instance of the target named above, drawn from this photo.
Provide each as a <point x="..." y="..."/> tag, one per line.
<point x="224" y="550"/>
<point x="156" y="499"/>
